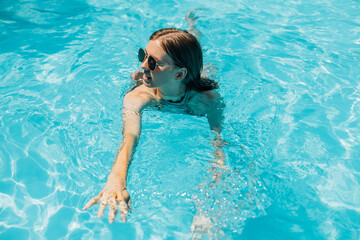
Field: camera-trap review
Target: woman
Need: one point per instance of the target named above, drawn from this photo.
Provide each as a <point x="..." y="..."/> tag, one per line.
<point x="172" y="65"/>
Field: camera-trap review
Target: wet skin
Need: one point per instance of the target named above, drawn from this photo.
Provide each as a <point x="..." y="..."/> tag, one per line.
<point x="165" y="82"/>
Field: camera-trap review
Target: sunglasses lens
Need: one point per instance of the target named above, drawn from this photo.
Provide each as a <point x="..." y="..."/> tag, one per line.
<point x="152" y="63"/>
<point x="151" y="60"/>
<point x="141" y="55"/>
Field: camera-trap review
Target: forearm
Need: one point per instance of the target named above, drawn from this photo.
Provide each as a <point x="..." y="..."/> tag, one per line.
<point x="123" y="157"/>
<point x="114" y="193"/>
<point x="218" y="167"/>
<point x="219" y="154"/>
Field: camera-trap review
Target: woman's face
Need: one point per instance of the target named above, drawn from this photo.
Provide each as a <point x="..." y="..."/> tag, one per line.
<point x="165" y="72"/>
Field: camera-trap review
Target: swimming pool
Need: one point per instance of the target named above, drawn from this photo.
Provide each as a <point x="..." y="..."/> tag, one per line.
<point x="288" y="71"/>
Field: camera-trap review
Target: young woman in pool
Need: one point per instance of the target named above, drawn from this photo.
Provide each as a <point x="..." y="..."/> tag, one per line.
<point x="172" y="63"/>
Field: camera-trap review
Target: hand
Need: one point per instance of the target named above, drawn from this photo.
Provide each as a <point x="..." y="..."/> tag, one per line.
<point x="201" y="226"/>
<point x="113" y="193"/>
<point x="137" y="75"/>
<point x="191" y="19"/>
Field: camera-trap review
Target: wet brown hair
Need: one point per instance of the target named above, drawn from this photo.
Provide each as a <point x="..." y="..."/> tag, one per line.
<point x="186" y="52"/>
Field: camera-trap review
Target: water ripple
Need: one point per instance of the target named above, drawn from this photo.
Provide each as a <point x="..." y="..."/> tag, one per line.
<point x="287" y="71"/>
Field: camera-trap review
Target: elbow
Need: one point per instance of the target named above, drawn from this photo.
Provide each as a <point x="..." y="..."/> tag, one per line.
<point x="131" y="137"/>
<point x="131" y="133"/>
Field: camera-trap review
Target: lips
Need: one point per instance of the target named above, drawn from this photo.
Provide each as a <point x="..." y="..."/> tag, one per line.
<point x="147" y="76"/>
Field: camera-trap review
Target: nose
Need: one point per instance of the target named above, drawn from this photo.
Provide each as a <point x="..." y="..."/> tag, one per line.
<point x="144" y="64"/>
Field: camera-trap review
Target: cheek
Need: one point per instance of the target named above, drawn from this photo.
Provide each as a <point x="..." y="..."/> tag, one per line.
<point x="161" y="74"/>
<point x="167" y="73"/>
<point x="158" y="73"/>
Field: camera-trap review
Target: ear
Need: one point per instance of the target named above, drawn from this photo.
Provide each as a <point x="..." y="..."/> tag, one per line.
<point x="181" y="74"/>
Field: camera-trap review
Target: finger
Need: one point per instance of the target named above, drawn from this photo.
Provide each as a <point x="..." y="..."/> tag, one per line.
<point x="192" y="229"/>
<point x="133" y="75"/>
<point x="113" y="210"/>
<point x="123" y="210"/>
<point x="123" y="207"/>
<point x="91" y="202"/>
<point x="123" y="217"/>
<point x="101" y="208"/>
<point x="129" y="205"/>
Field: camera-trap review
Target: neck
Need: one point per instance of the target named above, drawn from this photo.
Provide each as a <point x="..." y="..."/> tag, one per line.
<point x="173" y="95"/>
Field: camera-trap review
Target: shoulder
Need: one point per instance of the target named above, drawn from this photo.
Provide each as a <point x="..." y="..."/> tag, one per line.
<point x="137" y="99"/>
<point x="205" y="96"/>
<point x="140" y="91"/>
<point x="204" y="101"/>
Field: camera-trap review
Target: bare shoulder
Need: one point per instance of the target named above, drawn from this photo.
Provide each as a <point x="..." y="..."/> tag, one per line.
<point x="206" y="97"/>
<point x="137" y="99"/>
<point x="205" y="101"/>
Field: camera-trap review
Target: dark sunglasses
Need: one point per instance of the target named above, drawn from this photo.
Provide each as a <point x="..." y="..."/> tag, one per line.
<point x="151" y="61"/>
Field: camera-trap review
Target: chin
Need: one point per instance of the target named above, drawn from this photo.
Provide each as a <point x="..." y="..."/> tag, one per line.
<point x="149" y="85"/>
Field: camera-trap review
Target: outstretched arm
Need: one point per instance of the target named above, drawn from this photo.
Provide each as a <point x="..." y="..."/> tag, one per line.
<point x="115" y="191"/>
<point x="214" y="113"/>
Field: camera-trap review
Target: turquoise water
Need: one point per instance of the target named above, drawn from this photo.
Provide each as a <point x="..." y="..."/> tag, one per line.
<point x="289" y="73"/>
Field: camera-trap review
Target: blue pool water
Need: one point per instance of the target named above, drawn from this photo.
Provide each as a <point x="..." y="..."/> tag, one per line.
<point x="289" y="73"/>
